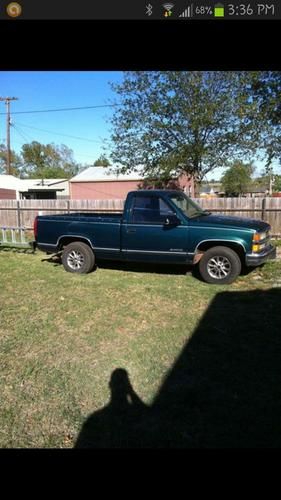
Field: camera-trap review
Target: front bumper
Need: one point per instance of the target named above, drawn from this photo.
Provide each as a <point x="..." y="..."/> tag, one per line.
<point x="256" y="259"/>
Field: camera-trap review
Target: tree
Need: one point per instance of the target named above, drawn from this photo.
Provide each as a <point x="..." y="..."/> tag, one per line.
<point x="102" y="161"/>
<point x="277" y="183"/>
<point x="179" y="122"/>
<point x="48" y="161"/>
<point x="16" y="161"/>
<point x="266" y="179"/>
<point x="266" y="93"/>
<point x="238" y="178"/>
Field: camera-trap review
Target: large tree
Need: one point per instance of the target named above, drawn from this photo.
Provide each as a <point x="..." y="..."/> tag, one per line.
<point x="265" y="91"/>
<point x="179" y="122"/>
<point x="48" y="161"/>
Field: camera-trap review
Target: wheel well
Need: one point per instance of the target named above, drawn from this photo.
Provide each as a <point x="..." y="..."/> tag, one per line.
<point x="206" y="245"/>
<point x="65" y="240"/>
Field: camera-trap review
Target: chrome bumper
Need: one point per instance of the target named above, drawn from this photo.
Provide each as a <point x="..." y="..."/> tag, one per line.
<point x="255" y="259"/>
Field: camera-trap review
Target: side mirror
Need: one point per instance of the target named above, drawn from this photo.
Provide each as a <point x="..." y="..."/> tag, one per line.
<point x="172" y="220"/>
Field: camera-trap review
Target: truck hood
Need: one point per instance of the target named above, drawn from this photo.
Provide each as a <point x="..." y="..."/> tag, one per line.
<point x="231" y="222"/>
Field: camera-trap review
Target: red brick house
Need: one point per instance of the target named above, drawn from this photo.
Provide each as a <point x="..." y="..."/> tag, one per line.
<point x="100" y="183"/>
<point x="8" y="194"/>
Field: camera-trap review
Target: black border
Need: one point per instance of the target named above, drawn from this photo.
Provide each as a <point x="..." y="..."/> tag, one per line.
<point x="143" y="45"/>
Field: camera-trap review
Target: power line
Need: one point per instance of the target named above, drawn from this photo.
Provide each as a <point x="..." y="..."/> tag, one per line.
<point x="28" y="139"/>
<point x="20" y="132"/>
<point x="62" y="109"/>
<point x="86" y="156"/>
<point x="76" y="155"/>
<point x="57" y="133"/>
<point x="138" y="134"/>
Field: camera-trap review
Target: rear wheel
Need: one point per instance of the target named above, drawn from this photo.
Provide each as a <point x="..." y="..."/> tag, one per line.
<point x="77" y="257"/>
<point x="220" y="265"/>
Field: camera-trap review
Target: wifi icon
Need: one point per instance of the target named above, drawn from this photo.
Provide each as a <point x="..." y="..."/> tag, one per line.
<point x="168" y="9"/>
<point x="168" y="6"/>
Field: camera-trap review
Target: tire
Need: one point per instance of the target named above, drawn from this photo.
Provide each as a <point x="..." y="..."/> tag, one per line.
<point x="77" y="257"/>
<point x="220" y="265"/>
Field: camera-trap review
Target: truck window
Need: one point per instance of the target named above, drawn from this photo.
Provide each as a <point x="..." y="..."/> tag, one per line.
<point x="149" y="210"/>
<point x="187" y="206"/>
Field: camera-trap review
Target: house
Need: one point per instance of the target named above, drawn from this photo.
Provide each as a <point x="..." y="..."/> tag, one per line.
<point x="211" y="190"/>
<point x="9" y="187"/>
<point x="103" y="183"/>
<point x="256" y="192"/>
<point x="13" y="188"/>
<point x="7" y="194"/>
<point x="41" y="189"/>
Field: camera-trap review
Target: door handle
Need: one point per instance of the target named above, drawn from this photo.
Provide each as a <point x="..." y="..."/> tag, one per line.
<point x="131" y="230"/>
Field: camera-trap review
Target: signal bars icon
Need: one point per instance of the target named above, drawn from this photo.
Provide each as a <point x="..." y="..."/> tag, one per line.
<point x="188" y="12"/>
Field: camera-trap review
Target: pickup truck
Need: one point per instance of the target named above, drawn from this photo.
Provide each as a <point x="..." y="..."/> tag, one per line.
<point x="159" y="226"/>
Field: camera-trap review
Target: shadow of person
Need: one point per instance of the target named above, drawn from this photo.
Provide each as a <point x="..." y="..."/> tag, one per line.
<point x="118" y="424"/>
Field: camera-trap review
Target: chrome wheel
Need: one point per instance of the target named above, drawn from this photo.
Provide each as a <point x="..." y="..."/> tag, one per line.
<point x="219" y="267"/>
<point x="75" y="260"/>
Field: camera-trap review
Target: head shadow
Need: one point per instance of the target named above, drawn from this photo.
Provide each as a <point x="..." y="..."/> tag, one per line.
<point x="117" y="424"/>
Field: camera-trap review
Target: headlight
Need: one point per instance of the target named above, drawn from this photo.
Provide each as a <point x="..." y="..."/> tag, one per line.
<point x="259" y="242"/>
<point x="259" y="237"/>
<point x="258" y="248"/>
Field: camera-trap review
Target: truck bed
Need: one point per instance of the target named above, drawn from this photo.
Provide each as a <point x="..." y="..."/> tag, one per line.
<point x="101" y="229"/>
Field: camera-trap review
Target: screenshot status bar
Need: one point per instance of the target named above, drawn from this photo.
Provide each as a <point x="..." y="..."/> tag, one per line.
<point x="183" y="10"/>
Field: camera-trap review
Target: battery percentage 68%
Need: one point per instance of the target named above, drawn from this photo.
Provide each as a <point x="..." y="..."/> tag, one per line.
<point x="203" y="10"/>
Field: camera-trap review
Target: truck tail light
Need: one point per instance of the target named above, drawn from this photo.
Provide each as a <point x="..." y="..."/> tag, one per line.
<point x="35" y="227"/>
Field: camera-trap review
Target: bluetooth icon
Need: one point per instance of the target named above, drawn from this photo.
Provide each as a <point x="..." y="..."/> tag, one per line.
<point x="149" y="8"/>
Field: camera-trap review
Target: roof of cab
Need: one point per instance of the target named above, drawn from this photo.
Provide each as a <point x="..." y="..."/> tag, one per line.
<point x="156" y="191"/>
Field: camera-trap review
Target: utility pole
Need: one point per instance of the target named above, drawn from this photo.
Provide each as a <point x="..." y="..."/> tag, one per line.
<point x="7" y="102"/>
<point x="271" y="182"/>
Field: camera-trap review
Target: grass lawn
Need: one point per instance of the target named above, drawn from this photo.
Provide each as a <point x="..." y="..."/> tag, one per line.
<point x="201" y="363"/>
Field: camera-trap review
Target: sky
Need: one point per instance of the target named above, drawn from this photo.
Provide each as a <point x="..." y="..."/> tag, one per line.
<point x="44" y="90"/>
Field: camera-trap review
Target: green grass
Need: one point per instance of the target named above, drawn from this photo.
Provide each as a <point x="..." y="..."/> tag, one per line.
<point x="62" y="336"/>
<point x="277" y="243"/>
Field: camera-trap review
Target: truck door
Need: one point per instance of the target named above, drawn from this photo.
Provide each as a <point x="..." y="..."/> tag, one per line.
<point x="146" y="238"/>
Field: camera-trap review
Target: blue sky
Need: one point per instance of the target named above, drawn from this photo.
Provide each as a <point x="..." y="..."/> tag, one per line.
<point x="61" y="89"/>
<point x="39" y="90"/>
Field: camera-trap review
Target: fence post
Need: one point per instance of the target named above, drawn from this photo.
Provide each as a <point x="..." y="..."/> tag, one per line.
<point x="68" y="206"/>
<point x="263" y="208"/>
<point x="18" y="213"/>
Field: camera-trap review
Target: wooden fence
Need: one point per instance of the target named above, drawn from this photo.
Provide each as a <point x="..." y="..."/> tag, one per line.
<point x="21" y="213"/>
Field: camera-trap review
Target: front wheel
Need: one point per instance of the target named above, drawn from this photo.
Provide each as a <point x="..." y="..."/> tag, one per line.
<point x="220" y="265"/>
<point x="77" y="257"/>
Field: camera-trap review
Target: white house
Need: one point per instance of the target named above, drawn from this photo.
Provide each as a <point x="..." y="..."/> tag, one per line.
<point x="12" y="187"/>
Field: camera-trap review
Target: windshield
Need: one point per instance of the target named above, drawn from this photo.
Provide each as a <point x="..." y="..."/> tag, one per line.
<point x="187" y="206"/>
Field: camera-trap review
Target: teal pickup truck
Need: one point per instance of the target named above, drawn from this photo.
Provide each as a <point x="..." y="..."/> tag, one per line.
<point x="159" y="226"/>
